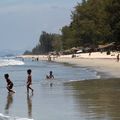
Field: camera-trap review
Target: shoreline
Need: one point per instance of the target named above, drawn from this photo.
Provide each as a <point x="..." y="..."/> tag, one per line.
<point x="100" y="62"/>
<point x="107" y="68"/>
<point x="64" y="100"/>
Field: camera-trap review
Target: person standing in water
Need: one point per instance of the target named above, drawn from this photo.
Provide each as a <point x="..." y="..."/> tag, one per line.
<point x="9" y="83"/>
<point x="50" y="76"/>
<point x="29" y="80"/>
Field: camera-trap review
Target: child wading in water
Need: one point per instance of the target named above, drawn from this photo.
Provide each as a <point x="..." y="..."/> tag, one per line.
<point x="50" y="76"/>
<point x="9" y="83"/>
<point x="29" y="80"/>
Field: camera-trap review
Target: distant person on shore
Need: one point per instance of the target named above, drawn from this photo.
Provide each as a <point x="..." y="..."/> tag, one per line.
<point x="29" y="80"/>
<point x="37" y="59"/>
<point x="90" y="53"/>
<point x="50" y="76"/>
<point x="49" y="57"/>
<point x="118" y="58"/>
<point x="9" y="83"/>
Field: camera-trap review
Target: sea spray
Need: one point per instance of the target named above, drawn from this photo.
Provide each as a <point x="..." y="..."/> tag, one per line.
<point x="4" y="117"/>
<point x="7" y="62"/>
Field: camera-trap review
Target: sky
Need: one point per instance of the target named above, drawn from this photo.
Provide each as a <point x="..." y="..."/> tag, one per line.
<point x="22" y="21"/>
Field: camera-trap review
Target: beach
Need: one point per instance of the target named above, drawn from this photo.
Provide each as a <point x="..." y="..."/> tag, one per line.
<point x="101" y="62"/>
<point x="84" y="88"/>
<point x="51" y="99"/>
<point x="108" y="67"/>
<point x="83" y="100"/>
<point x="106" y="64"/>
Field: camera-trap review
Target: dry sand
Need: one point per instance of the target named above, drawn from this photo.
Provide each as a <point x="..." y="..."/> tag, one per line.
<point x="106" y="64"/>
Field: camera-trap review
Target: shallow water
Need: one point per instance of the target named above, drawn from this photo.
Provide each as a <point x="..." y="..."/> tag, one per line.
<point x="40" y="69"/>
<point x="59" y="99"/>
<point x="97" y="99"/>
<point x="84" y="100"/>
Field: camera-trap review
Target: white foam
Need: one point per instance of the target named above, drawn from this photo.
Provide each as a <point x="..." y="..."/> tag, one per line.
<point x="3" y="117"/>
<point x="23" y="119"/>
<point x="7" y="62"/>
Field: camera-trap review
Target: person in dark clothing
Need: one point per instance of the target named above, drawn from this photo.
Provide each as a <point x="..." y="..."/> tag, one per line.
<point x="50" y="76"/>
<point x="118" y="58"/>
<point x="29" y="80"/>
<point x="9" y="83"/>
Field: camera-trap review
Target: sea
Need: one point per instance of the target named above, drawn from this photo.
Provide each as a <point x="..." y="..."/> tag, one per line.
<point x="17" y="70"/>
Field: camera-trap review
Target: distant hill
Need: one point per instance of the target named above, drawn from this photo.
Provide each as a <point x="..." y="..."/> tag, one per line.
<point x="10" y="52"/>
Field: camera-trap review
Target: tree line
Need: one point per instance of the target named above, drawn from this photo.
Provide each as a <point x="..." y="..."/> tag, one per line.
<point x="93" y="22"/>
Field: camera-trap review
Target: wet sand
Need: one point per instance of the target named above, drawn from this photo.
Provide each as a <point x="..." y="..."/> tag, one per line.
<point x="83" y="100"/>
<point x="98" y="99"/>
<point x="105" y="64"/>
<point x="108" y="67"/>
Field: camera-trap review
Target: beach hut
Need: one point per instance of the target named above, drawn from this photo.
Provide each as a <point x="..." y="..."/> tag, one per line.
<point x="66" y="52"/>
<point x="106" y="47"/>
<point x="74" y="49"/>
<point x="79" y="51"/>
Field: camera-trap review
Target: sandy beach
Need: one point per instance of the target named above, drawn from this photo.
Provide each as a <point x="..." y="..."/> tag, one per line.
<point x="69" y="97"/>
<point x="108" y="67"/>
<point x="105" y="64"/>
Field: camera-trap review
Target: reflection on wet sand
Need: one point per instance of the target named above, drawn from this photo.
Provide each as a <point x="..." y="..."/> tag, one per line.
<point x="97" y="99"/>
<point x="29" y="103"/>
<point x="9" y="102"/>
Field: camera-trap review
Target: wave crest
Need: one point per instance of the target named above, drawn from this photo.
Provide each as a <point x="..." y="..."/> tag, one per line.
<point x="7" y="62"/>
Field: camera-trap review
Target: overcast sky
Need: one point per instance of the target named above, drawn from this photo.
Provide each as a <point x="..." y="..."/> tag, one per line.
<point x="21" y="21"/>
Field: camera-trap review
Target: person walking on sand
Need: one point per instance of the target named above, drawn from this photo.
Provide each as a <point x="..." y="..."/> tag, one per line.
<point x="9" y="83"/>
<point x="29" y="80"/>
<point x="118" y="58"/>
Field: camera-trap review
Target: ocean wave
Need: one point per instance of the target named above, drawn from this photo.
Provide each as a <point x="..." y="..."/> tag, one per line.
<point x="4" y="117"/>
<point x="7" y="62"/>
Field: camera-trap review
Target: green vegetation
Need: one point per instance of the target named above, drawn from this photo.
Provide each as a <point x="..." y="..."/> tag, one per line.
<point x="93" y="22"/>
<point x="47" y="42"/>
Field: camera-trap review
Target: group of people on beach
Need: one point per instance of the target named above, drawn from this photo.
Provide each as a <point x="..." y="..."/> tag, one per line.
<point x="28" y="83"/>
